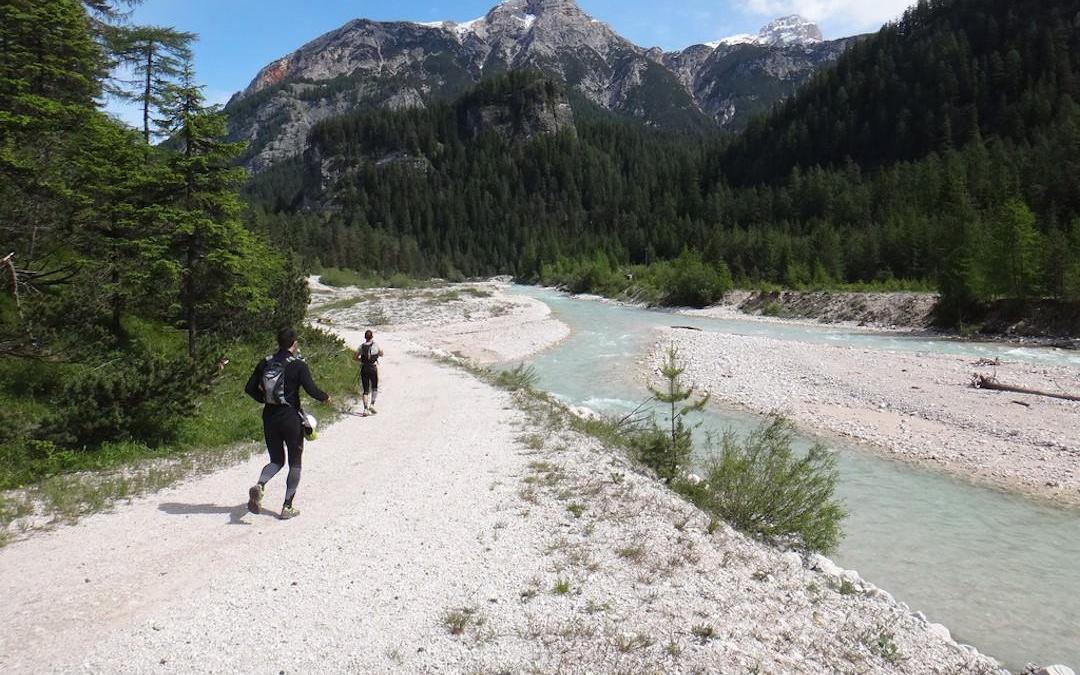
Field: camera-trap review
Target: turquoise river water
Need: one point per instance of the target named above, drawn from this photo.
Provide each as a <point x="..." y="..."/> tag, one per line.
<point x="1000" y="570"/>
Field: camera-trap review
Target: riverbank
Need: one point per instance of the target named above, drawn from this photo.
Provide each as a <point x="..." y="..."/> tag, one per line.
<point x="1043" y="322"/>
<point x="464" y="528"/>
<point x="892" y="310"/>
<point x="916" y="407"/>
<point x="478" y="321"/>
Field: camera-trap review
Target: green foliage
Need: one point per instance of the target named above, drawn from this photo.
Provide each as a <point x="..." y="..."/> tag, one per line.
<point x="113" y="244"/>
<point x="690" y="282"/>
<point x="761" y="487"/>
<point x="154" y="57"/>
<point x="673" y="453"/>
<point x="343" y="278"/>
<point x="686" y="281"/>
<point x="884" y="645"/>
<point x="135" y="397"/>
<point x="519" y="377"/>
<point x="33" y="398"/>
<point x="338" y="278"/>
<point x="1017" y="245"/>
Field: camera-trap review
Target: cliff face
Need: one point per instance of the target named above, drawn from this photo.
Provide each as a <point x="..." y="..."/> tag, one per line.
<point x="401" y="65"/>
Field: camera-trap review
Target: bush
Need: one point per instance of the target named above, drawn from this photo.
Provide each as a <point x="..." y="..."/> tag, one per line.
<point x="762" y="488"/>
<point x="331" y="276"/>
<point x="652" y="447"/>
<point x="691" y="282"/>
<point x="520" y="376"/>
<point x="137" y="397"/>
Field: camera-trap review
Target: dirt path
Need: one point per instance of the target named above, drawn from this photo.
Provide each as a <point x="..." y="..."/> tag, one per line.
<point x="187" y="579"/>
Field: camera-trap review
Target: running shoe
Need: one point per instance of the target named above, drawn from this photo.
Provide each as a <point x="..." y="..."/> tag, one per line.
<point x="373" y="411"/>
<point x="288" y="512"/>
<point x="255" y="495"/>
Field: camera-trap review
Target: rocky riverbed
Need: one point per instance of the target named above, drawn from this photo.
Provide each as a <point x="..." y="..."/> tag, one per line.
<point x="917" y="407"/>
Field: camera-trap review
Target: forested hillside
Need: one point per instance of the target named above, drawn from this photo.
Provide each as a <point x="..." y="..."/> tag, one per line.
<point x="963" y="118"/>
<point x="127" y="279"/>
<point x="941" y="151"/>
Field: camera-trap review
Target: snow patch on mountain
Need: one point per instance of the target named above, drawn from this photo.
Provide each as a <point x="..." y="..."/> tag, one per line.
<point x="784" y="32"/>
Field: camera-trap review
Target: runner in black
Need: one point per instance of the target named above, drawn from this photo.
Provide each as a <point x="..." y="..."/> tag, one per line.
<point x="368" y="355"/>
<point x="283" y="374"/>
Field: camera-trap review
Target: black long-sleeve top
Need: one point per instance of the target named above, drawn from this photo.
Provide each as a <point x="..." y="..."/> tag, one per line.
<point x="297" y="375"/>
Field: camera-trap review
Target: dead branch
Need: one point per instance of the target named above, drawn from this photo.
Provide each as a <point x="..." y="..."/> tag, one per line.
<point x="636" y="416"/>
<point x="979" y="381"/>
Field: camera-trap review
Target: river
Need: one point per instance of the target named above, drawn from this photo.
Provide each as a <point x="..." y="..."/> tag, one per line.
<point x="1000" y="570"/>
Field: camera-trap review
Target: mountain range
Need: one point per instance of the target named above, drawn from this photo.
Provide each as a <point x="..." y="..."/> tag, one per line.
<point x="401" y="65"/>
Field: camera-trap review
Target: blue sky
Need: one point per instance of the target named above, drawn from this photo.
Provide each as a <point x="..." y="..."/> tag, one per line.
<point x="238" y="37"/>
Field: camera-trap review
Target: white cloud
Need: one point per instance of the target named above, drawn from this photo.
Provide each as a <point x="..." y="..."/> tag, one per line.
<point x="850" y="14"/>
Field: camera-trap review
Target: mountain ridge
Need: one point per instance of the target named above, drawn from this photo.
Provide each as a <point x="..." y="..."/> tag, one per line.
<point x="404" y="64"/>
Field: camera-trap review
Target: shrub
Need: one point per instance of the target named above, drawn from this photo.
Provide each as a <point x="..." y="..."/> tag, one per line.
<point x="690" y="281"/>
<point x="652" y="447"/>
<point x="138" y="397"/>
<point x="338" y="278"/>
<point x="762" y="488"/>
<point x="520" y="376"/>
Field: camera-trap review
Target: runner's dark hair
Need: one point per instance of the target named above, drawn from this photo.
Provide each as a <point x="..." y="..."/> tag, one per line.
<point x="368" y="334"/>
<point x="286" y="337"/>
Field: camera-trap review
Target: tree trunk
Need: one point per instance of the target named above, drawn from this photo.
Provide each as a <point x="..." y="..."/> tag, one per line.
<point x="117" y="296"/>
<point x="987" y="382"/>
<point x="148" y="91"/>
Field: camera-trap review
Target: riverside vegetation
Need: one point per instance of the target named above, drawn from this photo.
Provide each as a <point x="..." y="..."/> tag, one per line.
<point x="133" y="301"/>
<point x="757" y="483"/>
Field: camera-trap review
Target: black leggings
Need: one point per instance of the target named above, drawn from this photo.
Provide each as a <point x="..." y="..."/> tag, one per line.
<point x="369" y="379"/>
<point x="282" y="429"/>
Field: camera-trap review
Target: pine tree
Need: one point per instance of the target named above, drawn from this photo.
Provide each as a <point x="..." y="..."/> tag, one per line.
<point x="47" y="90"/>
<point x="678" y="397"/>
<point x="211" y="254"/>
<point x="155" y="56"/>
<point x="1016" y="250"/>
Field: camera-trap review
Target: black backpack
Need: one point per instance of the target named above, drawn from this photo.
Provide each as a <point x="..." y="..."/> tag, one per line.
<point x="365" y="355"/>
<point x="273" y="380"/>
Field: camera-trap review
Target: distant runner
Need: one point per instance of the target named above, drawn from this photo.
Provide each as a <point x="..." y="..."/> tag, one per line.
<point x="368" y="356"/>
<point x="276" y="383"/>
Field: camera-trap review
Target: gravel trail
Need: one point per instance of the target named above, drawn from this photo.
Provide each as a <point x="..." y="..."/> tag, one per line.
<point x="395" y="510"/>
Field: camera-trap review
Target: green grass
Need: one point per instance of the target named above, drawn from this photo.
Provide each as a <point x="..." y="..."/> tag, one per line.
<point x="334" y="305"/>
<point x="341" y="278"/>
<point x="457" y="621"/>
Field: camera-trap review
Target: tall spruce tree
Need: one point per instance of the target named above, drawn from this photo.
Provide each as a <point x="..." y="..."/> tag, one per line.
<point x="214" y="259"/>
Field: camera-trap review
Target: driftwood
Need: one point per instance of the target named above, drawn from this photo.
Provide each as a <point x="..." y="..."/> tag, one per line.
<point x="988" y="382"/>
<point x="686" y="328"/>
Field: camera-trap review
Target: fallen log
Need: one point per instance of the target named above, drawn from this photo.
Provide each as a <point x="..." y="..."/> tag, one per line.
<point x="988" y="382"/>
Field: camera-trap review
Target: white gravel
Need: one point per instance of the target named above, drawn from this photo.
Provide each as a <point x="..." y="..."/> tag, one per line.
<point x="917" y="407"/>
<point x="457" y="498"/>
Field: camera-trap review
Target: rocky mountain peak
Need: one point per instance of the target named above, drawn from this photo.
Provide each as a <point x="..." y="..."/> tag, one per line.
<point x="404" y="64"/>
<point x="786" y="31"/>
<point x="790" y="30"/>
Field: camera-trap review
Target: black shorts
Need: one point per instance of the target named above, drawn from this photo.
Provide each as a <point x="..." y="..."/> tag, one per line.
<point x="369" y="378"/>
